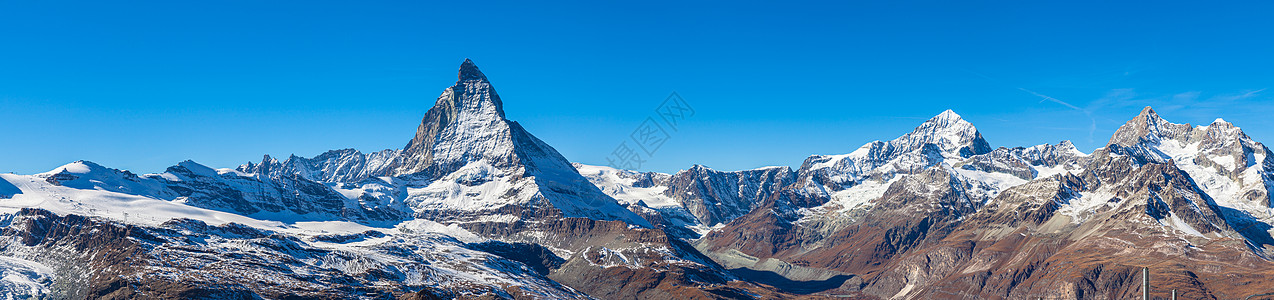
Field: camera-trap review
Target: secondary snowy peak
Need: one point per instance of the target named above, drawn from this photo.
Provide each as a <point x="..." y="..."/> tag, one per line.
<point x="944" y="137"/>
<point x="1227" y="164"/>
<point x="951" y="133"/>
<point x="1166" y="140"/>
<point x="1148" y="126"/>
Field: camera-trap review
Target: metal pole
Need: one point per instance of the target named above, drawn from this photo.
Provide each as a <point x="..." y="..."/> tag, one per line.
<point x="1174" y="294"/>
<point x="1145" y="283"/>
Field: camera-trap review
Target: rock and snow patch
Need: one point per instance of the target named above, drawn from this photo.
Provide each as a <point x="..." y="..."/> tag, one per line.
<point x="861" y="195"/>
<point x="624" y="189"/>
<point x="24" y="279"/>
<point x="1087" y="205"/>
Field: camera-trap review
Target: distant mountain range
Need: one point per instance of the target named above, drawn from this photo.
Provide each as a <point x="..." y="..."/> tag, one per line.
<point x="474" y="206"/>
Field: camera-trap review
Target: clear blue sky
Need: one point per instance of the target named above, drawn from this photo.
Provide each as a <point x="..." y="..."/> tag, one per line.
<point x="144" y="85"/>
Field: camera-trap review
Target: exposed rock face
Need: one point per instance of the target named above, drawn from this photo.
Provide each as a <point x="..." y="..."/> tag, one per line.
<point x="1028" y="163"/>
<point x="691" y="201"/>
<point x="1149" y="127"/>
<point x="716" y="197"/>
<point x="1227" y="163"/>
<point x="1032" y="203"/>
<point x="1045" y="221"/>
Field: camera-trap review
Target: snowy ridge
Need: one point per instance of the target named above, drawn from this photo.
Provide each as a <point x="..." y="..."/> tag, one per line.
<point x="345" y="165"/>
<point x="944" y="137"/>
<point x="855" y="181"/>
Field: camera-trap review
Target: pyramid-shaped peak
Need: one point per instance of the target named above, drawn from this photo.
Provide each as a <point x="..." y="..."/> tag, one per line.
<point x="1148" y="126"/>
<point x="948" y="119"/>
<point x="951" y="133"/>
<point x="469" y="71"/>
<point x="1148" y="113"/>
<point x="464" y="141"/>
<point x="947" y="115"/>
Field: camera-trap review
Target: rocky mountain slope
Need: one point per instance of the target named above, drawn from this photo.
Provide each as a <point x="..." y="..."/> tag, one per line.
<point x="691" y="202"/>
<point x="1189" y="202"/>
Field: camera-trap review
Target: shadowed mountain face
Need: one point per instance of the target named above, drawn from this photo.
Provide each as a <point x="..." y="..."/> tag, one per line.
<point x="474" y="206"/>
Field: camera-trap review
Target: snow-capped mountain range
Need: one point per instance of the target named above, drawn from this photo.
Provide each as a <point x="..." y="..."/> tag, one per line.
<point x="474" y="206"/>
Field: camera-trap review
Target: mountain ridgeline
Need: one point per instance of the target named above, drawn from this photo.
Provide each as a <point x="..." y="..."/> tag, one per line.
<point x="476" y="207"/>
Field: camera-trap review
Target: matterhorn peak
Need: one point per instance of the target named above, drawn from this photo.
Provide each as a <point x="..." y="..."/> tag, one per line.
<point x="465" y="138"/>
<point x="469" y="71"/>
<point x="466" y="124"/>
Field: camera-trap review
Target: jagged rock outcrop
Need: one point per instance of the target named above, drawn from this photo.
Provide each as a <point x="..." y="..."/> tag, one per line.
<point x="691" y="201"/>
<point x="1028" y="162"/>
<point x="345" y="165"/>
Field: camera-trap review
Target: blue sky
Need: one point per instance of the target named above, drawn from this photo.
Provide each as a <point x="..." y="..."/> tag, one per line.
<point x="144" y="85"/>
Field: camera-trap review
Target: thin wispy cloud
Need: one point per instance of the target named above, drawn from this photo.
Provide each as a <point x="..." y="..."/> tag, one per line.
<point x="1202" y="105"/>
<point x="1239" y="96"/>
<point x="1092" y="128"/>
<point x="1047" y="98"/>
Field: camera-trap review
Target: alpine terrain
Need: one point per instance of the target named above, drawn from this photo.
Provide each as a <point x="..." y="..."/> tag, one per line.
<point x="476" y="207"/>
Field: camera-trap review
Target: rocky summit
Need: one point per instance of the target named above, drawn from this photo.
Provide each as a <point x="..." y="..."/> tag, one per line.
<point x="476" y="207"/>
